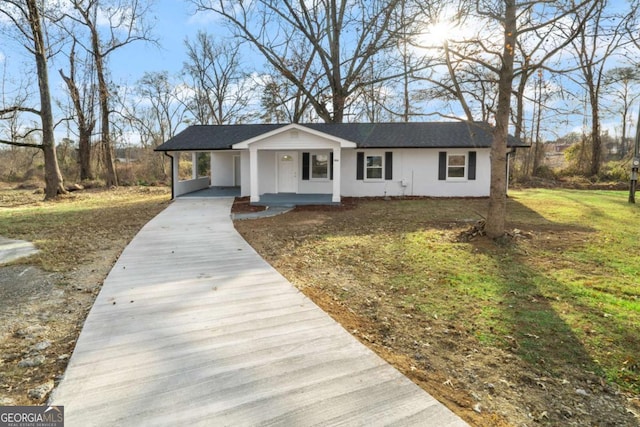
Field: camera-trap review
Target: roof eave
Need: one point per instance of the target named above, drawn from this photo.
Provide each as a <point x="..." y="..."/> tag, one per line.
<point x="293" y="126"/>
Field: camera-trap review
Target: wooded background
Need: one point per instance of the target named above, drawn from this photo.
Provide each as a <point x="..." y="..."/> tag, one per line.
<point x="566" y="66"/>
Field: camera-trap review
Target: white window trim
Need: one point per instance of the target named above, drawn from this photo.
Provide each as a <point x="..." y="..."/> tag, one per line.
<point x="315" y="153"/>
<point x="374" y="154"/>
<point x="466" y="167"/>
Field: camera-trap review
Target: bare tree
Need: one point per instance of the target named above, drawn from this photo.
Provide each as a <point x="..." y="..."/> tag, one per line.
<point x="82" y="96"/>
<point x="344" y="35"/>
<point x="27" y="17"/>
<point x="127" y="23"/>
<point x="554" y="22"/>
<point x="155" y="112"/>
<point x="534" y="54"/>
<point x="221" y="88"/>
<point x="281" y="101"/>
<point x="622" y="85"/>
<point x="598" y="42"/>
<point x="164" y="102"/>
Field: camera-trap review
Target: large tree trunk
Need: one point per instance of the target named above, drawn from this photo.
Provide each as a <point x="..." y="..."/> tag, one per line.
<point x="105" y="128"/>
<point x="84" y="155"/>
<point x="52" y="176"/>
<point x="496" y="217"/>
<point x="85" y="125"/>
<point x="105" y="131"/>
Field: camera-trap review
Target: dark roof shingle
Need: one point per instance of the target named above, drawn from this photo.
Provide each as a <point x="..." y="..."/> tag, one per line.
<point x="365" y="135"/>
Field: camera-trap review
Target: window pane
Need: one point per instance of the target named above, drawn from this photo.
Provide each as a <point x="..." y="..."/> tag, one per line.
<point x="319" y="166"/>
<point x="374" y="173"/>
<point x="456" y="172"/>
<point x="457" y="160"/>
<point x="374" y="161"/>
<point x="374" y="167"/>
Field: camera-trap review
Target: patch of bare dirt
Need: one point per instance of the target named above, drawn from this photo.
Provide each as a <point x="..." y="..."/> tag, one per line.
<point x="485" y="385"/>
<point x="242" y="205"/>
<point x="41" y="314"/>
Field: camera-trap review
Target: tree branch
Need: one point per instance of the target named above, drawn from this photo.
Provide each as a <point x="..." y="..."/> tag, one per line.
<point x="19" y="109"/>
<point x="21" y="144"/>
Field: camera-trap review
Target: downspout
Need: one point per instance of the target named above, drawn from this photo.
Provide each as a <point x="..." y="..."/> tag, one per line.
<point x="172" y="183"/>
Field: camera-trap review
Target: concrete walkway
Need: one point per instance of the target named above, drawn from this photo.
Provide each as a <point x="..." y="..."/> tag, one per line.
<point x="193" y="327"/>
<point x="11" y="250"/>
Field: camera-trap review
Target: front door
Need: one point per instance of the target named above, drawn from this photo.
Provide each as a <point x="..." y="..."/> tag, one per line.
<point x="287" y="172"/>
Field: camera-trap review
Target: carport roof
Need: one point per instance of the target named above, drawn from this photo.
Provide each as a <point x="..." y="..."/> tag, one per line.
<point x="365" y="135"/>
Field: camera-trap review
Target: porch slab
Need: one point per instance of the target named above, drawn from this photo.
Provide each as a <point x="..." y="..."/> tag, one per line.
<point x="214" y="192"/>
<point x="294" y="199"/>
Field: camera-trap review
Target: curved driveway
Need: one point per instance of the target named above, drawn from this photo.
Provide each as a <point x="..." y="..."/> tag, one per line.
<point x="193" y="327"/>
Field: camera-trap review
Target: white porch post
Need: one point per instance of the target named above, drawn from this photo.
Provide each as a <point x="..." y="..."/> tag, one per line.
<point x="194" y="165"/>
<point x="211" y="167"/>
<point x="335" y="198"/>
<point x="253" y="173"/>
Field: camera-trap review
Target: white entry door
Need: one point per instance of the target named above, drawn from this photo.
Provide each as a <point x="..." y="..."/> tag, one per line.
<point x="287" y="172"/>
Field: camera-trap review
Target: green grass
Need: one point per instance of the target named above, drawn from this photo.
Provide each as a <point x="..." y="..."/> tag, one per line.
<point x="568" y="296"/>
<point x="76" y="228"/>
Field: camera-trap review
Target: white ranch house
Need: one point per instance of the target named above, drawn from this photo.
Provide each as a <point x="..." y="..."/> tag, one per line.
<point x="437" y="159"/>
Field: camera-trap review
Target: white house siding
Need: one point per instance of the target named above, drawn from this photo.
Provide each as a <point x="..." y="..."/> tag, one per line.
<point x="315" y="187"/>
<point x="267" y="171"/>
<point x="415" y="170"/>
<point x="415" y="173"/>
<point x="418" y="170"/>
<point x="294" y="140"/>
<point x="222" y="168"/>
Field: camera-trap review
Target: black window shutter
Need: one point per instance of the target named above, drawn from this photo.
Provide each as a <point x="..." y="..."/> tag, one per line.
<point x="360" y="166"/>
<point x="471" y="175"/>
<point x="331" y="165"/>
<point x="442" y="166"/>
<point x="305" y="166"/>
<point x="388" y="165"/>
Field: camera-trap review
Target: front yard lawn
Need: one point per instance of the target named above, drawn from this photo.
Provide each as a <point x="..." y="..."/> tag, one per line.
<point x="545" y="327"/>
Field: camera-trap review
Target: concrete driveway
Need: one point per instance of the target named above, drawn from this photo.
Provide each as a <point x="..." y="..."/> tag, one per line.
<point x="193" y="327"/>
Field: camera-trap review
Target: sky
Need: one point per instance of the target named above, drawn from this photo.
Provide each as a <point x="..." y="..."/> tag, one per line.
<point x="175" y="21"/>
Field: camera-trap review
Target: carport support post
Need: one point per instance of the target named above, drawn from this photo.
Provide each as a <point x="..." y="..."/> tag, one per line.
<point x="253" y="173"/>
<point x="175" y="170"/>
<point x="194" y="165"/>
<point x="335" y="198"/>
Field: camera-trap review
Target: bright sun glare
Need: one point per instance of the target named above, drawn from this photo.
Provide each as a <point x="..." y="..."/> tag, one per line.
<point x="436" y="34"/>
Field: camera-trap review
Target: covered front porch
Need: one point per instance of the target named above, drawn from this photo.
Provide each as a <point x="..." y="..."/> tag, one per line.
<point x="268" y="199"/>
<point x="292" y="164"/>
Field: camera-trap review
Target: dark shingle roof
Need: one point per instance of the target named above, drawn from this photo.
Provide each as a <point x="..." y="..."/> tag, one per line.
<point x="365" y="135"/>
